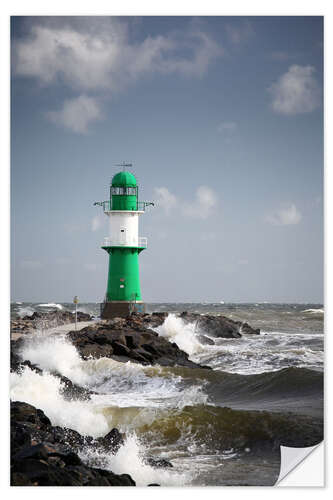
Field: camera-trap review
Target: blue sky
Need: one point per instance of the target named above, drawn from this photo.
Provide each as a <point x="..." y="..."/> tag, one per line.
<point x="222" y="118"/>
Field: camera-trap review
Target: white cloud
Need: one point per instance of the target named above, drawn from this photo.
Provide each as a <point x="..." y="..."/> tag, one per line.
<point x="31" y="264"/>
<point x="102" y="56"/>
<point x="227" y="127"/>
<point x="204" y="204"/>
<point x="77" y="114"/>
<point x="240" y="32"/>
<point x="96" y="223"/>
<point x="285" y="216"/>
<point x="164" y="199"/>
<point x="296" y="91"/>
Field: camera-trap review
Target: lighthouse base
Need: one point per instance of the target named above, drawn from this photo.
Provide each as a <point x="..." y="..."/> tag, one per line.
<point x="121" y="309"/>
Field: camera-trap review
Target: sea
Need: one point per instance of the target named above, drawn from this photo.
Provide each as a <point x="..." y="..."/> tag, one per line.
<point x="215" y="426"/>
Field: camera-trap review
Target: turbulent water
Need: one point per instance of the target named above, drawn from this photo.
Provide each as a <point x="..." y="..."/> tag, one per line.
<point x="209" y="423"/>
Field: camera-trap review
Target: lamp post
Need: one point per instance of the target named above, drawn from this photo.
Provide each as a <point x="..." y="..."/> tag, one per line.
<point x="76" y="301"/>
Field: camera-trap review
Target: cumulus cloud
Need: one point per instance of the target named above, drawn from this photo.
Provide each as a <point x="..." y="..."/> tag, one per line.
<point x="77" y="114"/>
<point x="285" y="216"/>
<point x="103" y="56"/>
<point x="204" y="204"/>
<point x="164" y="199"/>
<point x="296" y="91"/>
<point x="98" y="56"/>
<point x="201" y="208"/>
<point x="240" y="32"/>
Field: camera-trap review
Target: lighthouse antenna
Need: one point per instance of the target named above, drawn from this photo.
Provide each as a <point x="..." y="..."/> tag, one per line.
<point x="124" y="165"/>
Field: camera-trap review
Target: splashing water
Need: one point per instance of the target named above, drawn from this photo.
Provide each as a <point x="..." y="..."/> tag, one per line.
<point x="130" y="457"/>
<point x="175" y="330"/>
<point x="44" y="391"/>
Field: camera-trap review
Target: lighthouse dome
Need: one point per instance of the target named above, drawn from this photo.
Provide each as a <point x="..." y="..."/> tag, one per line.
<point x="123" y="179"/>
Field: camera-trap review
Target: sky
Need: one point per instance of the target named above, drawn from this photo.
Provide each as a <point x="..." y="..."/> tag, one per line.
<point x="222" y="118"/>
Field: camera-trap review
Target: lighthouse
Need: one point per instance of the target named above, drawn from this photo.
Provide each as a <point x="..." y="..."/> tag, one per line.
<point x="123" y="244"/>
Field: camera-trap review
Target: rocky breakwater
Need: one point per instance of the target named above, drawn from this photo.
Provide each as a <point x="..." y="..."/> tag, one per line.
<point x="129" y="339"/>
<point x="43" y="321"/>
<point x="133" y="338"/>
<point x="219" y="326"/>
<point x="46" y="455"/>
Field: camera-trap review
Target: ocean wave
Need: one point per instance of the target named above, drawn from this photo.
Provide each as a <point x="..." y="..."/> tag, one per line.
<point x="51" y="304"/>
<point x="223" y="428"/>
<point x="119" y="384"/>
<point x="44" y="391"/>
<point x="314" y="311"/>
<point x="250" y="354"/>
<point x="131" y="457"/>
<point x="25" y="311"/>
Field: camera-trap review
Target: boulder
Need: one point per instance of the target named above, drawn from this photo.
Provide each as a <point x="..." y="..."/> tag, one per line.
<point x="218" y="326"/>
<point x="128" y="344"/>
<point x="44" y="455"/>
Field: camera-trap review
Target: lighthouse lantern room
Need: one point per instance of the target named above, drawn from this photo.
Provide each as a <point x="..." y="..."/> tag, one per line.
<point x="123" y="244"/>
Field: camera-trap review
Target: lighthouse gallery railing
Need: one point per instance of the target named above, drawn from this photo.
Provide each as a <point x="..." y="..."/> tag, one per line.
<point x="111" y="242"/>
<point x="107" y="205"/>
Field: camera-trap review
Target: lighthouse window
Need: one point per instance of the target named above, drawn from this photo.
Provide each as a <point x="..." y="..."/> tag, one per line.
<point x="123" y="190"/>
<point x="118" y="190"/>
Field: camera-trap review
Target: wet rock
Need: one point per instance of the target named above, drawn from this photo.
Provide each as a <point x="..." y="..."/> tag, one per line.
<point x="23" y="412"/>
<point x="158" y="463"/>
<point x="203" y="339"/>
<point x="246" y="329"/>
<point x="44" y="455"/>
<point x="218" y="326"/>
<point x="112" y="441"/>
<point x="129" y="344"/>
<point x="38" y="320"/>
<point x="71" y="391"/>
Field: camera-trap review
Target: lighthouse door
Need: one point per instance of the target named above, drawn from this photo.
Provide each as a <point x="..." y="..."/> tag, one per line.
<point x="123" y="235"/>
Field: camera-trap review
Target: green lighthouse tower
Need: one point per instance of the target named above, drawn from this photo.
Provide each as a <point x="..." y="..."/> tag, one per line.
<point x="123" y="294"/>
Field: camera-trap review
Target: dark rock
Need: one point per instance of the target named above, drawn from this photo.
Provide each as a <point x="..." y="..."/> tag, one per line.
<point x="23" y="412"/>
<point x="216" y="326"/>
<point x="143" y="345"/>
<point x="111" y="441"/>
<point x="158" y="463"/>
<point x="72" y="391"/>
<point x="246" y="329"/>
<point x="36" y="452"/>
<point x="42" y="455"/>
<point x="205" y="340"/>
<point x="46" y="320"/>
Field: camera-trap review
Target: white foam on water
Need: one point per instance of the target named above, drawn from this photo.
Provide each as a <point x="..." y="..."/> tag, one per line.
<point x="314" y="311"/>
<point x="121" y="384"/>
<point x="51" y="304"/>
<point x="183" y="334"/>
<point x="129" y="458"/>
<point x="25" y="311"/>
<point x="250" y="354"/>
<point x="44" y="392"/>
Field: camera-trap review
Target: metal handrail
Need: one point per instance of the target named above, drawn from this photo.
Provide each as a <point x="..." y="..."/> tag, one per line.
<point x="111" y="242"/>
<point x="107" y="205"/>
